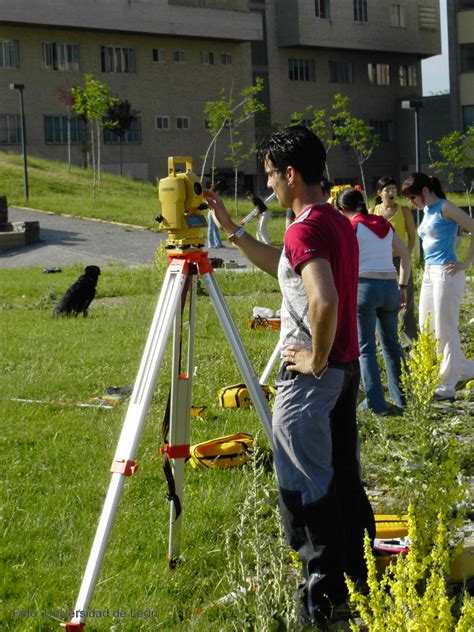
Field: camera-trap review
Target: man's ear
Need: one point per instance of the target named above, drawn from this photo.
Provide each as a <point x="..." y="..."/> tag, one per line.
<point x="291" y="174"/>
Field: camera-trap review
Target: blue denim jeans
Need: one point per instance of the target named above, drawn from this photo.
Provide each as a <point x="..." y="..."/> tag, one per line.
<point x="378" y="304"/>
<point x="213" y="237"/>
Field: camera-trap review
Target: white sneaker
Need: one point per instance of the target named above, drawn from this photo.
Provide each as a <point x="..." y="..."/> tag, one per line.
<point x="441" y="394"/>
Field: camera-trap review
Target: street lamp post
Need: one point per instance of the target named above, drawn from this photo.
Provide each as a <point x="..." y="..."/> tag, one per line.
<point x="20" y="87"/>
<point x="416" y="105"/>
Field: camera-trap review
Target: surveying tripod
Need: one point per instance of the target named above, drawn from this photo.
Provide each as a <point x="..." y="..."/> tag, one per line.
<point x="182" y="272"/>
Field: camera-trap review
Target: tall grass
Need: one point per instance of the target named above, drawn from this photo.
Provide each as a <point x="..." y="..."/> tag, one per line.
<point x="59" y="455"/>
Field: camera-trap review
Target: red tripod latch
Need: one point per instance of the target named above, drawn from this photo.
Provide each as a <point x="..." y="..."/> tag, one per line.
<point x="127" y="468"/>
<point x="175" y="451"/>
<point x="70" y="626"/>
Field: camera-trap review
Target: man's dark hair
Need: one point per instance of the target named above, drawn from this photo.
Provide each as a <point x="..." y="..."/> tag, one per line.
<point x="297" y="147"/>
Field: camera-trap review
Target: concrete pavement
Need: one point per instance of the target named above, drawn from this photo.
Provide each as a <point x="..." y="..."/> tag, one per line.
<point x="70" y="240"/>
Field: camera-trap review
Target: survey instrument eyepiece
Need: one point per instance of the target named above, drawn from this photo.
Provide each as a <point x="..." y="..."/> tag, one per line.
<point x="182" y="203"/>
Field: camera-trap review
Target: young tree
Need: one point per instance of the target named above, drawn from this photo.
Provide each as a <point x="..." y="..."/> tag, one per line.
<point x="218" y="114"/>
<point x="66" y="98"/>
<point x="119" y="118"/>
<point x="319" y="124"/>
<point x="456" y="159"/>
<point x="353" y="133"/>
<point x="224" y="113"/>
<point x="92" y="102"/>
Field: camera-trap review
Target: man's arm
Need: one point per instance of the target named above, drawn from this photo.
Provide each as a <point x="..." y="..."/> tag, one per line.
<point x="264" y="257"/>
<point x="323" y="301"/>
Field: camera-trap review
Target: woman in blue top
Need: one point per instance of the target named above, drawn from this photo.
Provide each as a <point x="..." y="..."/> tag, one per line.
<point x="444" y="278"/>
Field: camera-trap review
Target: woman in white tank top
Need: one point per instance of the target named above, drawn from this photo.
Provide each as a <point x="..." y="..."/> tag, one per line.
<point x="379" y="298"/>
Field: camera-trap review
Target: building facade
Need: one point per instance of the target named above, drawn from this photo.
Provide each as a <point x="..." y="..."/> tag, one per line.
<point x="461" y="61"/>
<point x="169" y="57"/>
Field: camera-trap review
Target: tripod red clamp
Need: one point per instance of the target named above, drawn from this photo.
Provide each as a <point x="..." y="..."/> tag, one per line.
<point x="127" y="468"/>
<point x="175" y="451"/>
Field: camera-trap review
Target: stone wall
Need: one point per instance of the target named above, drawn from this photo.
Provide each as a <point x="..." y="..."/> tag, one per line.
<point x="15" y="235"/>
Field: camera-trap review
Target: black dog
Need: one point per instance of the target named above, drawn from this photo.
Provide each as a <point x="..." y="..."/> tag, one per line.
<point x="79" y="296"/>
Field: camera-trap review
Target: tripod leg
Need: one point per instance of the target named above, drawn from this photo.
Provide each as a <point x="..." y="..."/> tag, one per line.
<point x="258" y="398"/>
<point x="271" y="363"/>
<point x="168" y="306"/>
<point x="180" y="415"/>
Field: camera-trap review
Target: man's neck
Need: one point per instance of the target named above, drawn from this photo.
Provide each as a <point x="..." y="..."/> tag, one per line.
<point x="306" y="196"/>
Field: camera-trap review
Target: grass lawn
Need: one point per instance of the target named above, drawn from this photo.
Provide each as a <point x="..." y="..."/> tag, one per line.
<point x="59" y="455"/>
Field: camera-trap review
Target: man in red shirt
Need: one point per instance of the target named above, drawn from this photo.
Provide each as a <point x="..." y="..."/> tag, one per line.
<point x="323" y="504"/>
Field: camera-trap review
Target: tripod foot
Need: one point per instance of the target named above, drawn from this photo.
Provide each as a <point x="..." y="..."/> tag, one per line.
<point x="173" y="562"/>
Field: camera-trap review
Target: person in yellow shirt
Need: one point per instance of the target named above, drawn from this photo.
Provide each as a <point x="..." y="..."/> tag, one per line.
<point x="402" y="221"/>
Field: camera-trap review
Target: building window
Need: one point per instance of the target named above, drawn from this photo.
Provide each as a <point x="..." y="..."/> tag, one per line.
<point x="182" y="122"/>
<point x="379" y="74"/>
<point x="56" y="130"/>
<point x="179" y="56"/>
<point x="427" y="18"/>
<point x="132" y="135"/>
<point x="466" y="56"/>
<point x="341" y="72"/>
<point x="9" y="54"/>
<point x="158" y="54"/>
<point x="226" y="59"/>
<point x="384" y="129"/>
<point x="360" y="11"/>
<point x="117" y="59"/>
<point x="60" y="56"/>
<point x="207" y="58"/>
<point x="408" y="76"/>
<point x="301" y="70"/>
<point x="10" y="130"/>
<point x="322" y="9"/>
<point x="467" y="116"/>
<point x="162" y="122"/>
<point x="397" y="14"/>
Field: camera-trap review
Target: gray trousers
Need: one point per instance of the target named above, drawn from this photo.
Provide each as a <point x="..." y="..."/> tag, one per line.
<point x="323" y="505"/>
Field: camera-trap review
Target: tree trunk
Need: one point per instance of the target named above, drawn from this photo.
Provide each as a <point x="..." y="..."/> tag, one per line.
<point x="364" y="191"/>
<point x="94" y="183"/>
<point x="69" y="141"/>
<point x="327" y="171"/>
<point x="121" y="157"/>
<point x="468" y="193"/>
<point x="211" y="145"/>
<point x="98" y="152"/>
<point x="236" y="203"/>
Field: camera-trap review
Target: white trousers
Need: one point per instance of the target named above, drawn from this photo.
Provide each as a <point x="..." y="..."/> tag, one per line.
<point x="441" y="295"/>
<point x="262" y="232"/>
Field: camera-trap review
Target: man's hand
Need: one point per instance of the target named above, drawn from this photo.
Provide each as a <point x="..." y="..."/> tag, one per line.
<point x="221" y="215"/>
<point x="298" y="358"/>
<point x="403" y="297"/>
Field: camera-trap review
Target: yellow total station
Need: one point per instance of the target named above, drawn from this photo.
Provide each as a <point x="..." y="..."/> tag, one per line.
<point x="182" y="206"/>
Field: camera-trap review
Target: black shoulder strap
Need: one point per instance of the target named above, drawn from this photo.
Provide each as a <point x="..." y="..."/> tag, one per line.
<point x="298" y="319"/>
<point x="168" y="472"/>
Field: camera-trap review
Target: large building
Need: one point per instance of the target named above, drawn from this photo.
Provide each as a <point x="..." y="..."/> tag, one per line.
<point x="168" y="57"/>
<point x="461" y="61"/>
